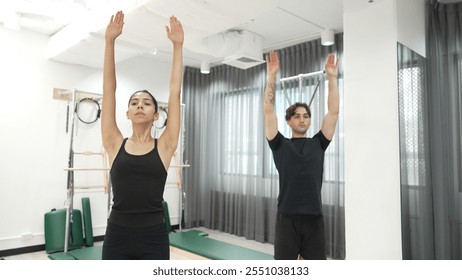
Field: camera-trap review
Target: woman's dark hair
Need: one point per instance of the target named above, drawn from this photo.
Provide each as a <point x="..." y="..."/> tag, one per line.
<point x="290" y="112"/>
<point x="145" y="91"/>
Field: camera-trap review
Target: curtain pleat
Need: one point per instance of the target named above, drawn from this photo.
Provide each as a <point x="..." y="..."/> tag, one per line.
<point x="445" y="112"/>
<point x="430" y="106"/>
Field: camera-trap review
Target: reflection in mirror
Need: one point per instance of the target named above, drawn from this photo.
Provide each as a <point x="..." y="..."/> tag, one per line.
<point x="416" y="194"/>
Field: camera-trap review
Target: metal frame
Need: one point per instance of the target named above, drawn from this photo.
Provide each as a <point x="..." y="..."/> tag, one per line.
<point x="300" y="78"/>
<point x="69" y="203"/>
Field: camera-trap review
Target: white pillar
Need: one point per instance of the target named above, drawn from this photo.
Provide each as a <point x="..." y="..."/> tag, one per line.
<point x="372" y="167"/>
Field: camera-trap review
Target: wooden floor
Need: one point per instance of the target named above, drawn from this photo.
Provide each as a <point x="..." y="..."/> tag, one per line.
<point x="175" y="253"/>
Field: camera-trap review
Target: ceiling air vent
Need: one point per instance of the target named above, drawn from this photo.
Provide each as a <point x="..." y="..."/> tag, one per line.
<point x="248" y="53"/>
<point x="237" y="48"/>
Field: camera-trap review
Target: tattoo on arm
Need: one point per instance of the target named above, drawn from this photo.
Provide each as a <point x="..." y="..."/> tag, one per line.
<point x="270" y="93"/>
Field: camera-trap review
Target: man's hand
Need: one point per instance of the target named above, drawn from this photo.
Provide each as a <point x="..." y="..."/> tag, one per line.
<point x="272" y="64"/>
<point x="331" y="68"/>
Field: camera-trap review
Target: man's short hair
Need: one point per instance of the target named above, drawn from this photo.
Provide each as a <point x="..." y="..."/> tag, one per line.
<point x="290" y="112"/>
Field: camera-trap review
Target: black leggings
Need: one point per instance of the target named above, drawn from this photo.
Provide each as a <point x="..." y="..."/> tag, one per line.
<point x="128" y="243"/>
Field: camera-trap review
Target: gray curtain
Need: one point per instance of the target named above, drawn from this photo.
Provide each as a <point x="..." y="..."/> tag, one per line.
<point x="232" y="184"/>
<point x="430" y="107"/>
<point x="416" y="191"/>
<point x="444" y="52"/>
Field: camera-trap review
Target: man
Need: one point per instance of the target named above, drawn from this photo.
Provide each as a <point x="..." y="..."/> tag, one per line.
<point x="299" y="161"/>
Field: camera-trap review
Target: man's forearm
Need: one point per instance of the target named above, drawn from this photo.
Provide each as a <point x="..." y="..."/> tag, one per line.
<point x="333" y="101"/>
<point x="270" y="93"/>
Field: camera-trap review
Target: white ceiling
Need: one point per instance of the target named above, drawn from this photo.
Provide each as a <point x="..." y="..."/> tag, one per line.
<point x="76" y="27"/>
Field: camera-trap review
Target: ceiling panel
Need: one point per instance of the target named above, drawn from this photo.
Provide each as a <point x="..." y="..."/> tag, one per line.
<point x="76" y="27"/>
<point x="325" y="14"/>
<point x="278" y="27"/>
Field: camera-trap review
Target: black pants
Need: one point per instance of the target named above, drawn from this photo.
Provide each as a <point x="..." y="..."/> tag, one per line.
<point x="127" y="243"/>
<point x="298" y="235"/>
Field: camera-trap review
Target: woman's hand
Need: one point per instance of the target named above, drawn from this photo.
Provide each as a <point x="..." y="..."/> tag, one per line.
<point x="115" y="26"/>
<point x="175" y="32"/>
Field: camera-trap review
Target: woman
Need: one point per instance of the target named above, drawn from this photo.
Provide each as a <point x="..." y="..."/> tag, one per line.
<point x="136" y="227"/>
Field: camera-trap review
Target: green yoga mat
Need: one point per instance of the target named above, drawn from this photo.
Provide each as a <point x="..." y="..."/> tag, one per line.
<point x="87" y="224"/>
<point x="197" y="242"/>
<point x="88" y="253"/>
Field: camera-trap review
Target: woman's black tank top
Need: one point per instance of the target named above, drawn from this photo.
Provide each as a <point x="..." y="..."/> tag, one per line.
<point x="138" y="183"/>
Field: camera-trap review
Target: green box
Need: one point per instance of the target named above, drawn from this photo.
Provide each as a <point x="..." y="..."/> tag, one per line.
<point x="55" y="229"/>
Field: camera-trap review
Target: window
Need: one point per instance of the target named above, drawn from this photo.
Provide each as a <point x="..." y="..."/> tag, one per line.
<point x="411" y="112"/>
<point x="246" y="151"/>
<point x="241" y="132"/>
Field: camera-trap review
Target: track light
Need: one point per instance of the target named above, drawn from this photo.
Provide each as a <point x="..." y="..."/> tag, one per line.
<point x="205" y="67"/>
<point x="327" y="37"/>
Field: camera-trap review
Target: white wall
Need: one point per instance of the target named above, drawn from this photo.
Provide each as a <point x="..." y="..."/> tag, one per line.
<point x="411" y="24"/>
<point x="372" y="170"/>
<point x="34" y="146"/>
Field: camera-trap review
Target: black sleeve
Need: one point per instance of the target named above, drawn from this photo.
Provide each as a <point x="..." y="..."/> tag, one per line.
<point x="322" y="139"/>
<point x="276" y="141"/>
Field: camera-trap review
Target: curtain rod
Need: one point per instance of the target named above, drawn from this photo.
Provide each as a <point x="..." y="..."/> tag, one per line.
<point x="301" y="76"/>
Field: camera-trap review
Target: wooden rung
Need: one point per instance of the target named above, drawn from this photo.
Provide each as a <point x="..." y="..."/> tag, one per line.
<point x="179" y="165"/>
<point x="67" y="94"/>
<point x="89" y="187"/>
<point x="88" y="153"/>
<point x="86" y="169"/>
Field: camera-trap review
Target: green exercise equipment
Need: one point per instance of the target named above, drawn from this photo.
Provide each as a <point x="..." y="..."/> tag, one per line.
<point x="55" y="223"/>
<point x="194" y="241"/>
<point x="197" y="242"/>
<point x="79" y="248"/>
<point x="87" y="224"/>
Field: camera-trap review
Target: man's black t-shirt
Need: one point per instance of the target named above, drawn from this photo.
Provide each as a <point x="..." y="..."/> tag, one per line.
<point x="300" y="163"/>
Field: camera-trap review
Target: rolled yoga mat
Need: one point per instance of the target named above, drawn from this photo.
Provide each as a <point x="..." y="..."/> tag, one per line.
<point x="87" y="224"/>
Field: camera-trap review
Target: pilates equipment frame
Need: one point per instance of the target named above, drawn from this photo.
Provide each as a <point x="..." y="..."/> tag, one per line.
<point x="300" y="78"/>
<point x="75" y="96"/>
